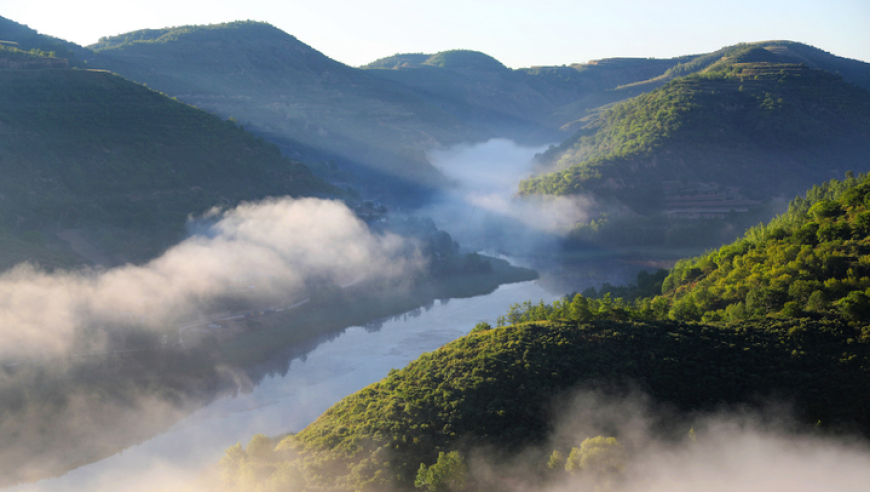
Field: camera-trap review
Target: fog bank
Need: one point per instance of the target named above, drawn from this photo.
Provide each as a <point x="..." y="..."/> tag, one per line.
<point x="264" y="252"/>
<point x="482" y="210"/>
<point x="660" y="450"/>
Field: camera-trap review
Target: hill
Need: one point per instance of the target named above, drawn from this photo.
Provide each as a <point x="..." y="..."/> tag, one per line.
<point x="810" y="261"/>
<point x="373" y="125"/>
<point x="314" y="107"/>
<point x="723" y="140"/>
<point x="513" y="103"/>
<point x="115" y="168"/>
<point x="496" y="389"/>
<point x="500" y="389"/>
<point x="479" y="89"/>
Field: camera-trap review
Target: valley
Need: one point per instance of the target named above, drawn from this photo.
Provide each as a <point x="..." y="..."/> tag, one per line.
<point x="428" y="271"/>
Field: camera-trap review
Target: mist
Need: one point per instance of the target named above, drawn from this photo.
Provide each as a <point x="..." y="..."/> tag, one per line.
<point x="263" y="252"/>
<point x="660" y="450"/>
<point x="481" y="209"/>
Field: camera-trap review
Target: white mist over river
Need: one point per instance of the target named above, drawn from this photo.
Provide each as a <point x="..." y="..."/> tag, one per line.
<point x="354" y="359"/>
<point x="482" y="210"/>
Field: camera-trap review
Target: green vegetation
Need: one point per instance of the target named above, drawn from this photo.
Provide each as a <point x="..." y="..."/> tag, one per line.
<point x="89" y="150"/>
<point x="465" y="60"/>
<point x="172" y="34"/>
<point x="312" y="106"/>
<point x="699" y="159"/>
<point x="810" y="261"/>
<point x="320" y="110"/>
<point x="757" y="126"/>
<point x="13" y="53"/>
<point x="496" y="387"/>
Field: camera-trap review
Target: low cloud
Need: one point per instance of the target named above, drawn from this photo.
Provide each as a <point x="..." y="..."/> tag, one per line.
<point x="262" y="251"/>
<point x="662" y="451"/>
<point x="483" y="209"/>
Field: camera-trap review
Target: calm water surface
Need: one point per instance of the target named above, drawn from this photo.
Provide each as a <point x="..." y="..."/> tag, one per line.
<point x="289" y="400"/>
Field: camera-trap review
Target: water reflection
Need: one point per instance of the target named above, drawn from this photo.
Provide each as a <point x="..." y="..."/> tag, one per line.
<point x="289" y="391"/>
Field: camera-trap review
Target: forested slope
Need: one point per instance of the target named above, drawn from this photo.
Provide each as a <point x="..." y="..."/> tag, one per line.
<point x="495" y="388"/>
<point x="89" y="150"/>
<point x="15" y="35"/>
<point x="810" y="262"/>
<point x="765" y="128"/>
<point x="813" y="260"/>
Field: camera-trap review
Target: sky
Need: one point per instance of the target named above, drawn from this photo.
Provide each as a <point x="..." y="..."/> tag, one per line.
<point x="517" y="33"/>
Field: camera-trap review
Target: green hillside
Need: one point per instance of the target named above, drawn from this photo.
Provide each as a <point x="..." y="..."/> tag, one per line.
<point x="785" y="313"/>
<point x="479" y="90"/>
<point x="377" y="122"/>
<point x="810" y="262"/>
<point x="119" y="165"/>
<point x="813" y="261"/>
<point x="730" y="138"/>
<point x="495" y="389"/>
<point x="784" y="124"/>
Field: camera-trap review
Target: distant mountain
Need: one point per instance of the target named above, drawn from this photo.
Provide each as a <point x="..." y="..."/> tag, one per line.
<point x="853" y="71"/>
<point x="371" y="127"/>
<point x="100" y="169"/>
<point x="514" y="103"/>
<point x="380" y="119"/>
<point x="314" y="107"/>
<point x="602" y="82"/>
<point x="477" y="88"/>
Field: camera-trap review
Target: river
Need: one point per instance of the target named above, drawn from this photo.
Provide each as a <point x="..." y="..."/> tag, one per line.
<point x="289" y="398"/>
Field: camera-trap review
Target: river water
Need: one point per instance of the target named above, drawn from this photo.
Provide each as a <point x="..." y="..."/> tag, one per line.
<point x="289" y="398"/>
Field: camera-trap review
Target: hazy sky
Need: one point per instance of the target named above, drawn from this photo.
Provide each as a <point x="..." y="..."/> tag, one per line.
<point x="518" y="33"/>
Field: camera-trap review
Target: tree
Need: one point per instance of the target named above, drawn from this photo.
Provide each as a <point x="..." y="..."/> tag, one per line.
<point x="598" y="455"/>
<point x="449" y="473"/>
<point x="230" y="464"/>
<point x="481" y="326"/>
<point x="261" y="448"/>
<point x="556" y="461"/>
